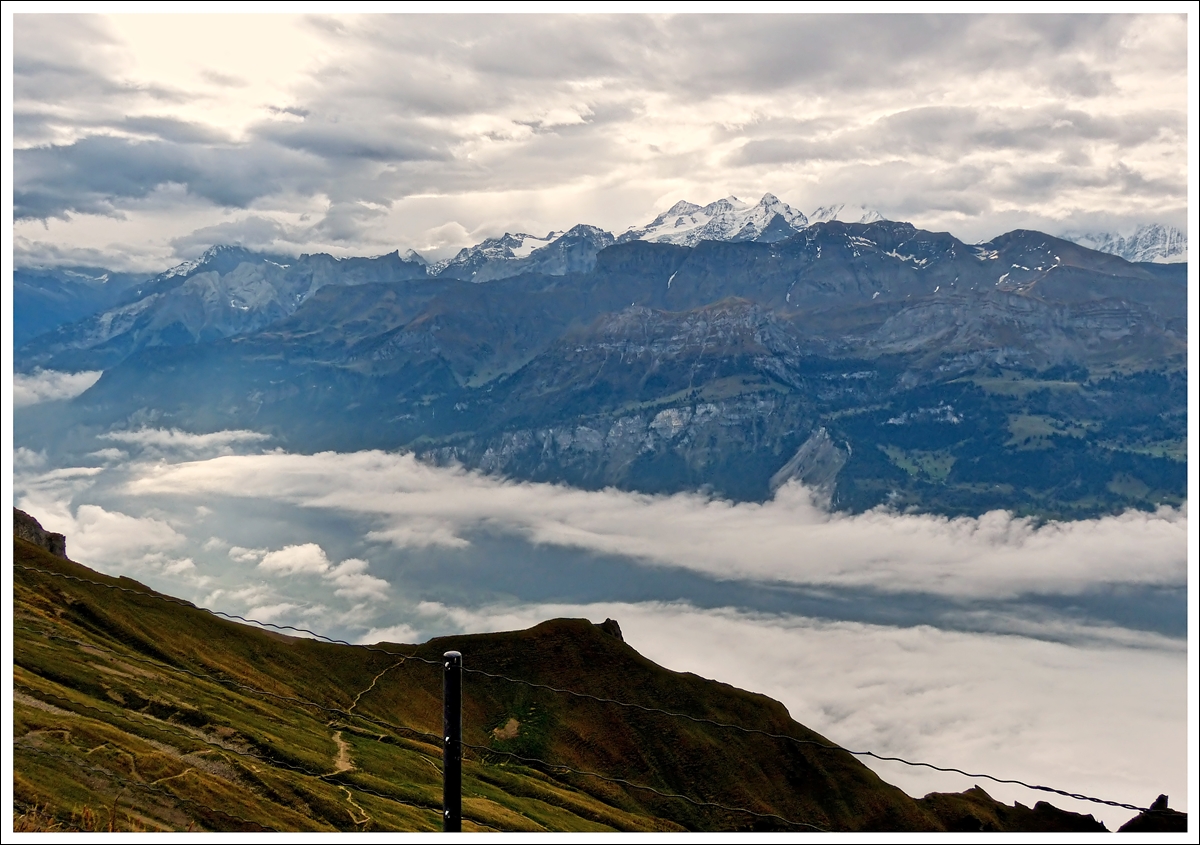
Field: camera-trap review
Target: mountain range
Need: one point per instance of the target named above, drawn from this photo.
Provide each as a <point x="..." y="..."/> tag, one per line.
<point x="729" y="347"/>
<point x="45" y="298"/>
<point x="730" y="219"/>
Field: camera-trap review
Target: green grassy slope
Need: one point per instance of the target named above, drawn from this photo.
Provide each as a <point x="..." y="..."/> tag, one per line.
<point x="136" y="712"/>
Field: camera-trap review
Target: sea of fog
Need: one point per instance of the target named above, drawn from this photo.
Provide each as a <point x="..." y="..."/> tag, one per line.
<point x="1054" y="653"/>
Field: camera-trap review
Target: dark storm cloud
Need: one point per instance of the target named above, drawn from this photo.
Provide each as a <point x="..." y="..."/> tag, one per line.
<point x="710" y="54"/>
<point x="705" y="55"/>
<point x="475" y="63"/>
<point x="942" y="129"/>
<point x="342" y="222"/>
<point x="47" y="80"/>
<point x="54" y="80"/>
<point x="39" y="254"/>
<point x="962" y="189"/>
<point x="346" y="221"/>
<point x="32" y="125"/>
<point x="1118" y="177"/>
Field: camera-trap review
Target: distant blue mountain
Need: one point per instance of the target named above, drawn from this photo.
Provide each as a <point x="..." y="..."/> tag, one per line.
<point x="874" y="362"/>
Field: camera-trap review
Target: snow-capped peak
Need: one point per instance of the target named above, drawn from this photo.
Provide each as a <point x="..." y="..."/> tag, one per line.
<point x="531" y="242"/>
<point x="845" y="214"/>
<point x="413" y="255"/>
<point x="725" y="219"/>
<point x="186" y="267"/>
<point x="684" y="223"/>
<point x="508" y="245"/>
<point x="213" y="252"/>
<point x="680" y="208"/>
<point x="1151" y="242"/>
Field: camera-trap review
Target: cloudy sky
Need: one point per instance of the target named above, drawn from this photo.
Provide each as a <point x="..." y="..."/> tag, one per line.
<point x="140" y="140"/>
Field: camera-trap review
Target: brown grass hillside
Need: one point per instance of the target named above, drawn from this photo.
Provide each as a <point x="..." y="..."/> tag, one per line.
<point x="134" y="712"/>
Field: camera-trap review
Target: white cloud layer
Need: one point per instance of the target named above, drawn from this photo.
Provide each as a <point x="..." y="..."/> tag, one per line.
<point x="787" y="539"/>
<point x="308" y="558"/>
<point x="174" y="442"/>
<point x="50" y="385"/>
<point x="349" y="578"/>
<point x="112" y="541"/>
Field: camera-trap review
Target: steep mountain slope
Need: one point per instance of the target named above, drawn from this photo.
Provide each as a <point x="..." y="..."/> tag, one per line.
<point x="469" y="261"/>
<point x="163" y="716"/>
<point x="228" y="291"/>
<point x="557" y="254"/>
<point x="44" y="299"/>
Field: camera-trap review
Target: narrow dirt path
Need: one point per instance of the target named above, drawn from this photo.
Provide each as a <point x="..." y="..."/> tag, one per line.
<point x="374" y="681"/>
<point x="350" y="800"/>
<point x="343" y="762"/>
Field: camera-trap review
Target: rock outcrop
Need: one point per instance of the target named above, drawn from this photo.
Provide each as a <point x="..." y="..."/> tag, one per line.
<point x="25" y="527"/>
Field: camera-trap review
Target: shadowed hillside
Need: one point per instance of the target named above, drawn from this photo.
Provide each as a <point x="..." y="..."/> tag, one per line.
<point x="133" y="710"/>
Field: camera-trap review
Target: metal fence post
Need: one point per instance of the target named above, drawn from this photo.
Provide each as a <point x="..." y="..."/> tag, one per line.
<point x="452" y="742"/>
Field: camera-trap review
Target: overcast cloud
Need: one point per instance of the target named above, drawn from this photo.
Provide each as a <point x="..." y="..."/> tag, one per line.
<point x="145" y="138"/>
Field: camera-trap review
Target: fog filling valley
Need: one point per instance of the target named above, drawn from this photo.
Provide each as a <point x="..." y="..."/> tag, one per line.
<point x="1055" y="653"/>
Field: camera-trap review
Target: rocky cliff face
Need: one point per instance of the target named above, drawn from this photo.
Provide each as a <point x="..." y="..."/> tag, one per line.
<point x="26" y="528"/>
<point x="1153" y="242"/>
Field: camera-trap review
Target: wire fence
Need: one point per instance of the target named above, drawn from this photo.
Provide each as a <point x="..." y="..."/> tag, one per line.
<point x="484" y="752"/>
